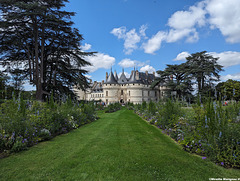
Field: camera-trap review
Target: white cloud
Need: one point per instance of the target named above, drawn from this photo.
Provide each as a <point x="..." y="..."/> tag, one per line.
<point x="126" y="63"/>
<point x="131" y="38"/>
<point x="88" y="76"/>
<point x="119" y="32"/>
<point x="225" y="15"/>
<point x="176" y="35"/>
<point x="98" y="61"/>
<point x="188" y="19"/>
<point x="154" y="43"/>
<point x="182" y="25"/>
<point x="86" y="47"/>
<point x="182" y="56"/>
<point x="148" y="68"/>
<point x="142" y="30"/>
<point x="228" y="58"/>
<point x="231" y="76"/>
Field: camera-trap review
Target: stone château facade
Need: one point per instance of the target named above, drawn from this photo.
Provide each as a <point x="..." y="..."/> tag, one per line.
<point x="135" y="89"/>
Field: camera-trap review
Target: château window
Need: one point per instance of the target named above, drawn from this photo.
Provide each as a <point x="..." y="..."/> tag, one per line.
<point x="121" y="92"/>
<point x="129" y="94"/>
<point x="106" y="93"/>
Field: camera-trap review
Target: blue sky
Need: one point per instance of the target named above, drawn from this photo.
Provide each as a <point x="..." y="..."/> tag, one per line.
<point x="149" y="34"/>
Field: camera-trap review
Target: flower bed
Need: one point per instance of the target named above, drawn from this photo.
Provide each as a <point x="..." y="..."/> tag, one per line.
<point x="209" y="130"/>
<point x="25" y="123"/>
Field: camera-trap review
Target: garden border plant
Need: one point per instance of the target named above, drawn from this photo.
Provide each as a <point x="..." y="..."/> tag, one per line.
<point x="25" y="123"/>
<point x="209" y="130"/>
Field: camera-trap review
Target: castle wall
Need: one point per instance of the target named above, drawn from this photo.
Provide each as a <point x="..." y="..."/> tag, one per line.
<point x="110" y="92"/>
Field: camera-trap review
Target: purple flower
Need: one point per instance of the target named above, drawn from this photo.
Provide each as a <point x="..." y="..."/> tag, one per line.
<point x="222" y="163"/>
<point x="204" y="158"/>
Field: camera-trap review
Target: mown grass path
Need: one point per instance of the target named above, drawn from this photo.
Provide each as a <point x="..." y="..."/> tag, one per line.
<point x="119" y="146"/>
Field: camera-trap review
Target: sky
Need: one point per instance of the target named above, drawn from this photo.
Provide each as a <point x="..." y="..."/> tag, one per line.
<point x="148" y="34"/>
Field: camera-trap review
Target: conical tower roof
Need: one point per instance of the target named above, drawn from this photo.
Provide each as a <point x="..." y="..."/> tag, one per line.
<point x="122" y="78"/>
<point x="133" y="77"/>
<point x="111" y="79"/>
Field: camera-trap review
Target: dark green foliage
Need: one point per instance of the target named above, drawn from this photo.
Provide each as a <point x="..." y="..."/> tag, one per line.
<point x="177" y="79"/>
<point x="25" y="123"/>
<point x="113" y="108"/>
<point x="201" y="69"/>
<point x="208" y="129"/>
<point x="205" y="70"/>
<point x="229" y="90"/>
<point x="48" y="49"/>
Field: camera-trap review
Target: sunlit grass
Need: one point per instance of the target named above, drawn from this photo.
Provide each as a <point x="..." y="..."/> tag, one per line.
<point x="119" y="146"/>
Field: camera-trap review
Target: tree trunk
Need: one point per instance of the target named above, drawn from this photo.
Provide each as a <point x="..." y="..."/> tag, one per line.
<point x="38" y="82"/>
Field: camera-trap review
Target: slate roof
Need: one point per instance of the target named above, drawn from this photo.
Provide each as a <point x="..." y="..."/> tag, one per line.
<point x="122" y="79"/>
<point x="111" y="79"/>
<point x="144" y="78"/>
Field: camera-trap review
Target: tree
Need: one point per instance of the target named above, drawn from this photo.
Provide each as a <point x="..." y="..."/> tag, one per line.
<point x="204" y="69"/>
<point x="38" y="35"/>
<point x="176" y="79"/>
<point x="229" y="90"/>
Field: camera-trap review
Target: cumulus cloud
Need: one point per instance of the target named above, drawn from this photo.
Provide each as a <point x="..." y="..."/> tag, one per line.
<point x="188" y="19"/>
<point x="142" y="30"/>
<point x="228" y="58"/>
<point x="148" y="68"/>
<point x="126" y="63"/>
<point x="221" y="14"/>
<point x="225" y="15"/>
<point x="229" y="76"/>
<point x="154" y="43"/>
<point x="98" y="61"/>
<point x="182" y="56"/>
<point x="182" y="24"/>
<point x="86" y="47"/>
<point x="119" y="32"/>
<point x="131" y="38"/>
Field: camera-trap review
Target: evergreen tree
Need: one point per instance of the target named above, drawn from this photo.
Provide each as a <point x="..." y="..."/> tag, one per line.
<point x="205" y="70"/>
<point x="229" y="90"/>
<point x="176" y="78"/>
<point x="38" y="35"/>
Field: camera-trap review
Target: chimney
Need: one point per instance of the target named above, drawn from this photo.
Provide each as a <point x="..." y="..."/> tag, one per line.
<point x="154" y="74"/>
<point x="106" y="76"/>
<point x="131" y="72"/>
<point x="102" y="81"/>
<point x="90" y="80"/>
<point x="137" y="75"/>
<point x="146" y="73"/>
<point x="171" y="77"/>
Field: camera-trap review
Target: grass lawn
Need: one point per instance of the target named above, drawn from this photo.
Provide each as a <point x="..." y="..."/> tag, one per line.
<point x="119" y="146"/>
